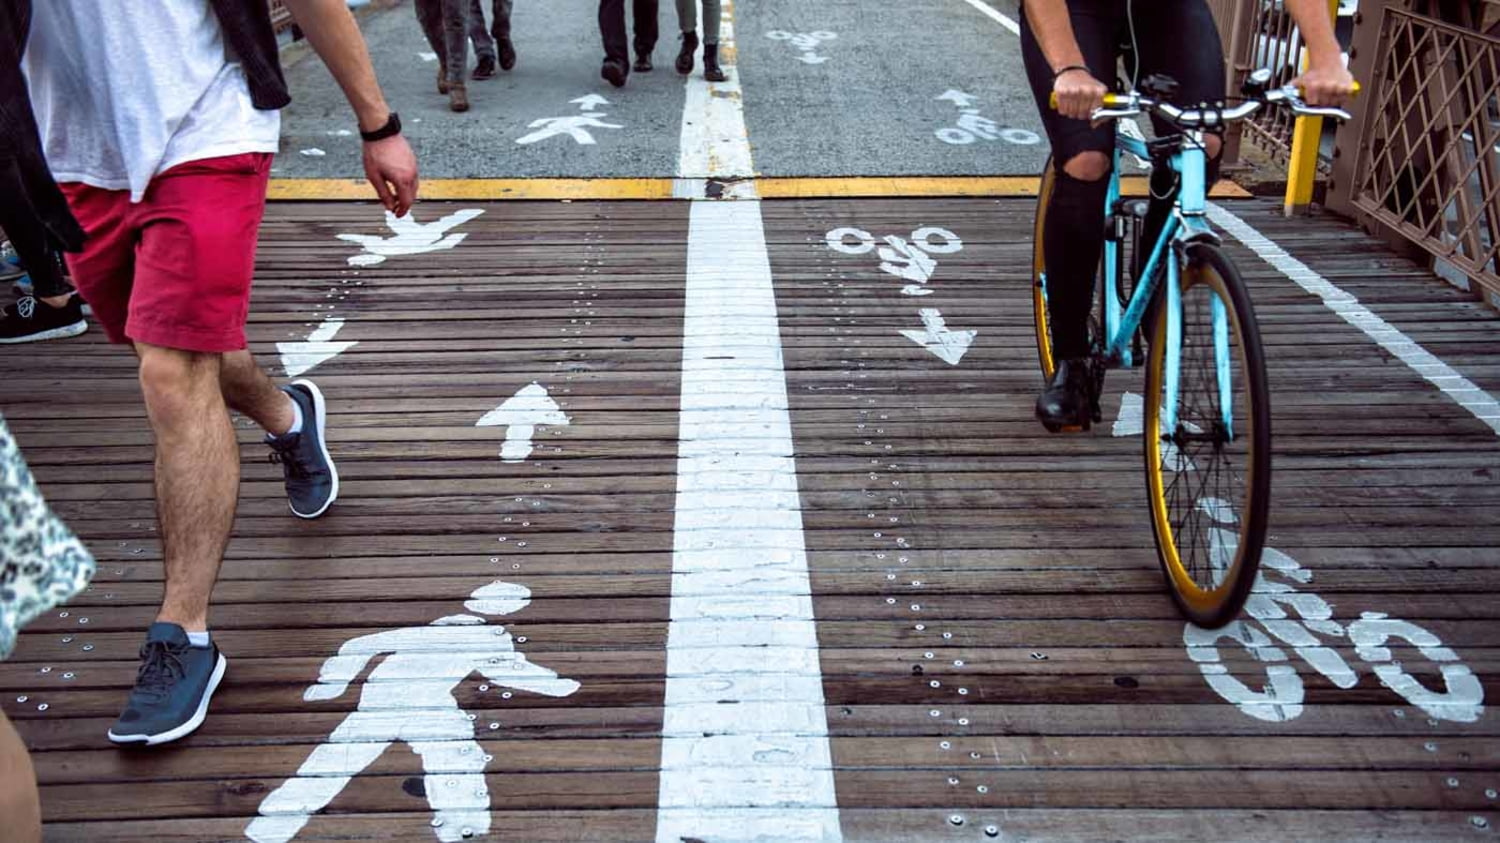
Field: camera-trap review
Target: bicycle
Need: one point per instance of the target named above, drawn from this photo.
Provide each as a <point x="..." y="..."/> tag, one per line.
<point x="1207" y="404"/>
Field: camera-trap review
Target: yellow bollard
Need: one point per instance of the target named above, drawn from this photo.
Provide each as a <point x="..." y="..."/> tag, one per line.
<point x="1302" y="171"/>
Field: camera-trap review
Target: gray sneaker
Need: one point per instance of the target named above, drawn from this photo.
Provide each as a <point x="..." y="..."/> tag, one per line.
<point x="172" y="688"/>
<point x="312" y="480"/>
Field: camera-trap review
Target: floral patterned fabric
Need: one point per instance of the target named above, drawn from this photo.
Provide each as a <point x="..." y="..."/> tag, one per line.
<point x="42" y="563"/>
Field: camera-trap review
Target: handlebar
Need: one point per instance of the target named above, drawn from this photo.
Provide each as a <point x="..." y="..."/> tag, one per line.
<point x="1134" y="103"/>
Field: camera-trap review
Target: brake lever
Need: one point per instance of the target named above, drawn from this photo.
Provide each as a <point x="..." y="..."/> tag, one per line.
<point x="1301" y="109"/>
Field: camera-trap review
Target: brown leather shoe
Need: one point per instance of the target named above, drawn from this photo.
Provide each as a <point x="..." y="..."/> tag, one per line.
<point x="458" y="97"/>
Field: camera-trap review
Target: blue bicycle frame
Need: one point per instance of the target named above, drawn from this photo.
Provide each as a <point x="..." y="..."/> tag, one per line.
<point x="1187" y="224"/>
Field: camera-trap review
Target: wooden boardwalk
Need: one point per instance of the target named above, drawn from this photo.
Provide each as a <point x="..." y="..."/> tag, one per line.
<point x="999" y="659"/>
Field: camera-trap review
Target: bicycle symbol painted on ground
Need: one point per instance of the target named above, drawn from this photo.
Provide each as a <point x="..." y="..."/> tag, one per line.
<point x="910" y="260"/>
<point x="807" y="42"/>
<point x="1284" y="616"/>
<point x="971" y="126"/>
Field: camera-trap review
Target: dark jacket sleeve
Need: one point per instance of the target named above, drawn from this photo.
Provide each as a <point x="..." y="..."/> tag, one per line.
<point x="20" y="142"/>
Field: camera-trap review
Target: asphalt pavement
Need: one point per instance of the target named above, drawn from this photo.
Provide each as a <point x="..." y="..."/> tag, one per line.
<point x="837" y="88"/>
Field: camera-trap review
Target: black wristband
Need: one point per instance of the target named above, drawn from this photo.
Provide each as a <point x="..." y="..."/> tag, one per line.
<point x="1072" y="67"/>
<point x="392" y="127"/>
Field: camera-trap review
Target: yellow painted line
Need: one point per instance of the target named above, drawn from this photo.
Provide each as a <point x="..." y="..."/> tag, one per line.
<point x="870" y="187"/>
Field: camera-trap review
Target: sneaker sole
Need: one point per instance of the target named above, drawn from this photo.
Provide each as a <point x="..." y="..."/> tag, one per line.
<point x="72" y="330"/>
<point x="186" y="728"/>
<point x="321" y="409"/>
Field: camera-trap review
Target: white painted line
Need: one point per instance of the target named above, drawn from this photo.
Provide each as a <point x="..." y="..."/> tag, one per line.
<point x="993" y="14"/>
<point x="714" y="141"/>
<point x="745" y="750"/>
<point x="1479" y="403"/>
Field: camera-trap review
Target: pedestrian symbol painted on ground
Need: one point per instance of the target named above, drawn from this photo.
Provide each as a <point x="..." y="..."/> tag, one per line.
<point x="410" y="698"/>
<point x="910" y="260"/>
<point x="575" y="126"/>
<point x="521" y="414"/>
<point x="807" y="42"/>
<point x="409" y="237"/>
<point x="972" y="126"/>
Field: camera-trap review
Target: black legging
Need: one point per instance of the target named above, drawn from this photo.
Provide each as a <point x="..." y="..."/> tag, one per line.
<point x="612" y="28"/>
<point x="1173" y="37"/>
<point x="29" y="236"/>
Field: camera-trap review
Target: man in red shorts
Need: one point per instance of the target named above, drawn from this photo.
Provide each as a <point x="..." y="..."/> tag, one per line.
<point x="160" y="120"/>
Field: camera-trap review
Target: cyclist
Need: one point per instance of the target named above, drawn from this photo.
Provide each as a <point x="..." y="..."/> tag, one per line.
<point x="1068" y="47"/>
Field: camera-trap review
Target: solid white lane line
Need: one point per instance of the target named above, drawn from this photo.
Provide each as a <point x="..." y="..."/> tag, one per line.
<point x="745" y="750"/>
<point x="714" y="141"/>
<point x="994" y="14"/>
<point x="1481" y="404"/>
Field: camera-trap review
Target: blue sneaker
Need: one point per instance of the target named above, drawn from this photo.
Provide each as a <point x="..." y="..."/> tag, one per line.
<point x="312" y="481"/>
<point x="172" y="688"/>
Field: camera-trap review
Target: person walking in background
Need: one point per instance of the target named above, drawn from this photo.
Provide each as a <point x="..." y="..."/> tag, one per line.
<point x="161" y="134"/>
<point x="488" y="41"/>
<point x="446" y="25"/>
<point x="616" y="67"/>
<point x="687" y="21"/>
<point x="33" y="213"/>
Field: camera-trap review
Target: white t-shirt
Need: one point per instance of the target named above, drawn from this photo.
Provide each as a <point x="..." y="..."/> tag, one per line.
<point x="126" y="90"/>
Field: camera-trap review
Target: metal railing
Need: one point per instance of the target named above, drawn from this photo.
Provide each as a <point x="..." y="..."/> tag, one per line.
<point x="1425" y="152"/>
<point x="281" y="18"/>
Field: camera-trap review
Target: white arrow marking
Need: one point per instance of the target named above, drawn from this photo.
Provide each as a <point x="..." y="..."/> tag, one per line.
<point x="949" y="346"/>
<point x="411" y="237"/>
<point x="590" y="102"/>
<point x="958" y="98"/>
<point x="521" y="413"/>
<point x="812" y="58"/>
<point x="300" y="357"/>
<point x="425" y="56"/>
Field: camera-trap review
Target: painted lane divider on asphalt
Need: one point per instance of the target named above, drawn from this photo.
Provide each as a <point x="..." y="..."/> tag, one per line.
<point x="521" y="415"/>
<point x="807" y="42"/>
<point x="946" y="344"/>
<point x="298" y="358"/>
<point x="994" y="14"/>
<point x="745" y="749"/>
<point x="1465" y="392"/>
<point x="410" y="237"/>
<point x="1282" y="695"/>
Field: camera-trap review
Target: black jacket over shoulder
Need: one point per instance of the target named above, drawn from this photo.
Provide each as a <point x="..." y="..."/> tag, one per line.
<point x="247" y="30"/>
<point x="20" y="142"/>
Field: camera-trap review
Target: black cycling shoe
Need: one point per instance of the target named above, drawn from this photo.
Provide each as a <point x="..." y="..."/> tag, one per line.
<point x="685" y="55"/>
<point x="1066" y="404"/>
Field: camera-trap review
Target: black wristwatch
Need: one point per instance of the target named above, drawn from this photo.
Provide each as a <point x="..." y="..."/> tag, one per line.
<point x="392" y="127"/>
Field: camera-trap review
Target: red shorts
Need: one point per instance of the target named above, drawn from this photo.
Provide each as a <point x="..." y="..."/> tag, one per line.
<point x="174" y="270"/>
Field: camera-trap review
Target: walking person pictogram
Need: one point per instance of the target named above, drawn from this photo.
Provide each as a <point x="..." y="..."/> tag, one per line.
<point x="410" y="698"/>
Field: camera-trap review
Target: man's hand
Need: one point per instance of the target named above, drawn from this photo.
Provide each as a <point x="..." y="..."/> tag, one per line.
<point x="1078" y="94"/>
<point x="1326" y="84"/>
<point x="392" y="170"/>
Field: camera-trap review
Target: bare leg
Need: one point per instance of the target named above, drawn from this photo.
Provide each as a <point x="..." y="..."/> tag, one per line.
<point x="248" y="390"/>
<point x="18" y="796"/>
<point x="197" y="475"/>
